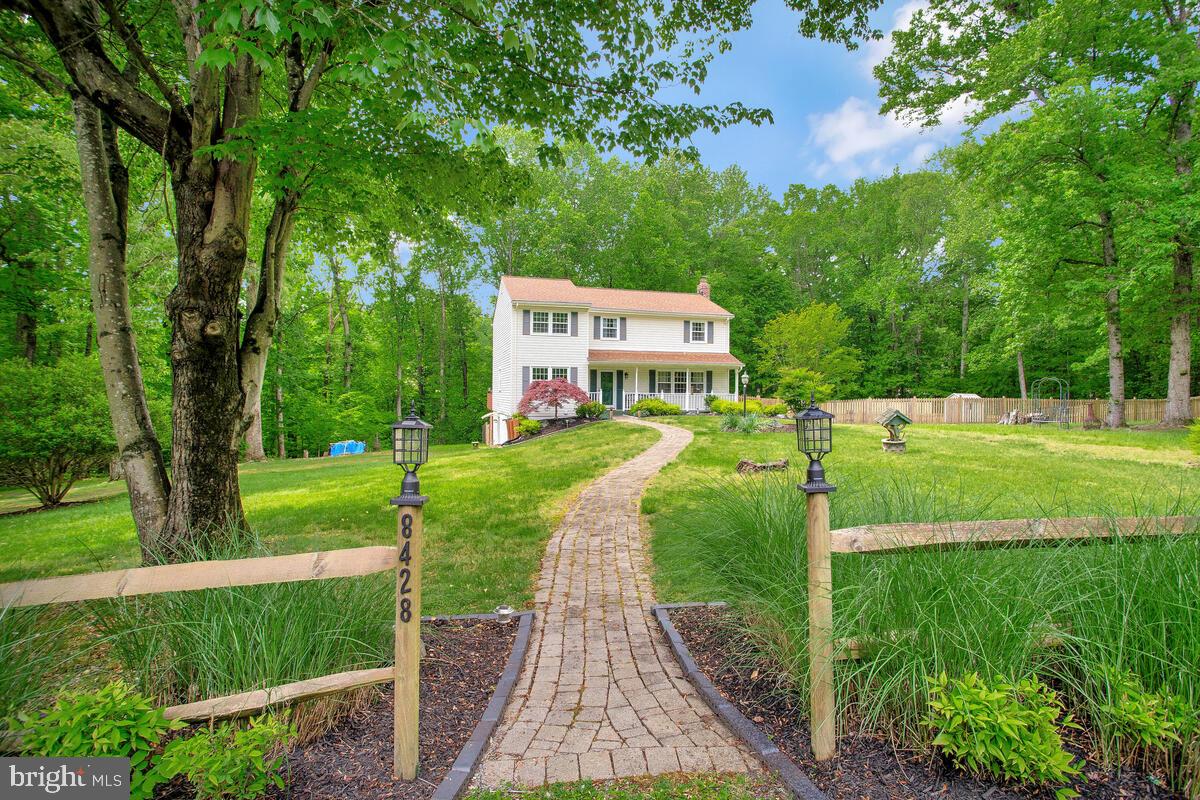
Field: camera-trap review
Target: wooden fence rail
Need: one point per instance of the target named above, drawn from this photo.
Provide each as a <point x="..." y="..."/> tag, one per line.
<point x="933" y="410"/>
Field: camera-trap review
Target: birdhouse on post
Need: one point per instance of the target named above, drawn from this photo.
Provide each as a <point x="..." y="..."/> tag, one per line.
<point x="894" y="422"/>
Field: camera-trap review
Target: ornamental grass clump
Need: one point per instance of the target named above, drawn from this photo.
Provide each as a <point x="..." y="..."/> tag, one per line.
<point x="1007" y="729"/>
<point x="1068" y="613"/>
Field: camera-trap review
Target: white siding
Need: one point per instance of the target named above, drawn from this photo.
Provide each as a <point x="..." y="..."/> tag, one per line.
<point x="645" y="332"/>
<point x="502" y="353"/>
<point x="547" y="350"/>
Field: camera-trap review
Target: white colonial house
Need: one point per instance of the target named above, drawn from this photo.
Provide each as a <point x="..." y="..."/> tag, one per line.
<point x="619" y="345"/>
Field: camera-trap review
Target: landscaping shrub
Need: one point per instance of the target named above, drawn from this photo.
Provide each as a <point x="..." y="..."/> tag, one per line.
<point x="1128" y="714"/>
<point x="709" y="399"/>
<point x="731" y="407"/>
<point x="775" y="410"/>
<point x="554" y="394"/>
<point x="114" y="721"/>
<point x="593" y="409"/>
<point x="1194" y="438"/>
<point x="54" y="426"/>
<point x="653" y="407"/>
<point x="735" y="422"/>
<point x="1007" y="729"/>
<point x="527" y="427"/>
<point x="798" y="386"/>
<point x="230" y="762"/>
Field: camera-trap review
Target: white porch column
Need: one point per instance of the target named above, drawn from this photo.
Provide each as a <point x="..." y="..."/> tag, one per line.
<point x="737" y="385"/>
<point x="636" y="372"/>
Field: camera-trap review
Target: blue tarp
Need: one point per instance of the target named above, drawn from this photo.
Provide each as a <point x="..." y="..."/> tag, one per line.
<point x="347" y="448"/>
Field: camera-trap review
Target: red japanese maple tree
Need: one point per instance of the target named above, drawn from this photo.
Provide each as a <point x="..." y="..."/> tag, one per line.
<point x="550" y="394"/>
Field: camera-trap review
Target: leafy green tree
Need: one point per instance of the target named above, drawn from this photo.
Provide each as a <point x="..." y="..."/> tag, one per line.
<point x="812" y="339"/>
<point x="54" y="426"/>
<point x="798" y="387"/>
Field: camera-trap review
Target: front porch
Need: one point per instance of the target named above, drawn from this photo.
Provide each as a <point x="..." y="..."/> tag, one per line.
<point x="619" y="386"/>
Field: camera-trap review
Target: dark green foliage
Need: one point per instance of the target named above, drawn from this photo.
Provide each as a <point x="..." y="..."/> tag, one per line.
<point x="112" y="721"/>
<point x="54" y="425"/>
<point x="653" y="407"/>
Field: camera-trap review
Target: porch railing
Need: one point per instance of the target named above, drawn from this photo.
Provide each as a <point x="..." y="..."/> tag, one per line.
<point x="686" y="401"/>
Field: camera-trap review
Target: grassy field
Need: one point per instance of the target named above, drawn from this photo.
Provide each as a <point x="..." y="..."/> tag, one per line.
<point x="1125" y="614"/>
<point x="973" y="471"/>
<point x="490" y="513"/>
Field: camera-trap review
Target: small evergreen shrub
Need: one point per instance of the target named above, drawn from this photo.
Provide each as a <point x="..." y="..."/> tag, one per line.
<point x="114" y="721"/>
<point x="231" y="763"/>
<point x="593" y="409"/>
<point x="1008" y="730"/>
<point x="527" y="427"/>
<point x="653" y="407"/>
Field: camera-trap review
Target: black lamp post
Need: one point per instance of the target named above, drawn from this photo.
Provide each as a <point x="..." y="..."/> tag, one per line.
<point x="410" y="449"/>
<point x="745" y="383"/>
<point x="814" y="438"/>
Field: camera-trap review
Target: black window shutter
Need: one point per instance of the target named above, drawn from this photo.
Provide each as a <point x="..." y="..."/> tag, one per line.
<point x="711" y="327"/>
<point x="732" y="381"/>
<point x="708" y="380"/>
<point x="592" y="380"/>
<point x="620" y="398"/>
<point x="525" y="322"/>
<point x="687" y="331"/>
<point x="622" y="329"/>
<point x="575" y="375"/>
<point x="653" y="382"/>
<point x="524" y="378"/>
<point x="574" y="324"/>
<point x="595" y="327"/>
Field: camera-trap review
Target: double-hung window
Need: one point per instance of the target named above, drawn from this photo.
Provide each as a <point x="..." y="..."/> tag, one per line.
<point x="664" y="381"/>
<point x="558" y="373"/>
<point x="561" y="323"/>
<point x="699" y="332"/>
<point x="541" y="322"/>
<point x="608" y="328"/>
<point x="681" y="383"/>
<point x="540" y="373"/>
<point x="697" y="383"/>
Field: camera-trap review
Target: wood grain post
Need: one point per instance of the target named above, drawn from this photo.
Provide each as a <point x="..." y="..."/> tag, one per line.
<point x="406" y="713"/>
<point x="822" y="711"/>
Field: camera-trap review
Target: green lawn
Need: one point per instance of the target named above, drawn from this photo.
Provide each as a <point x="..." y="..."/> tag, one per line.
<point x="487" y="522"/>
<point x="983" y="471"/>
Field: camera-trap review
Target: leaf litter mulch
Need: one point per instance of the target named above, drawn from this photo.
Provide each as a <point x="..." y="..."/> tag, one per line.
<point x="866" y="767"/>
<point x="463" y="660"/>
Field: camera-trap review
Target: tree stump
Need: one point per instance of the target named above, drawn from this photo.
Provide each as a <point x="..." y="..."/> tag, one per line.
<point x="748" y="467"/>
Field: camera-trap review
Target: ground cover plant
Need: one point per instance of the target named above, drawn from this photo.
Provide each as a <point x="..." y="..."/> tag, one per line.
<point x="654" y="407"/>
<point x="1126" y="607"/>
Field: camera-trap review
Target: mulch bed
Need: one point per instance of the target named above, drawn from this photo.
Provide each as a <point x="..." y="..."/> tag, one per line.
<point x="463" y="660"/>
<point x="867" y="767"/>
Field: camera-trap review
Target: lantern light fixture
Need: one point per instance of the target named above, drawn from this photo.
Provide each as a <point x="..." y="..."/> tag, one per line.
<point x="410" y="449"/>
<point x="814" y="438"/>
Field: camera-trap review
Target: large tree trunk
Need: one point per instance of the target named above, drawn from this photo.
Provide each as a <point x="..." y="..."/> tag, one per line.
<point x="1183" y="300"/>
<point x="1112" y="321"/>
<point x="27" y="336"/>
<point x="280" y="438"/>
<point x="212" y="201"/>
<point x="105" y="193"/>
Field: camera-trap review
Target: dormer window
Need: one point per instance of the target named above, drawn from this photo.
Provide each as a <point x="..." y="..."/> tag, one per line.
<point x="609" y="329"/>
<point x="699" y="332"/>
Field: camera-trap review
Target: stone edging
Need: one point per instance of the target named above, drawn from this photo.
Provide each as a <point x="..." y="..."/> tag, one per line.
<point x="791" y="775"/>
<point x="464" y="766"/>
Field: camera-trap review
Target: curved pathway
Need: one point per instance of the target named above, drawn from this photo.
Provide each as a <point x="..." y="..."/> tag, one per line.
<point x="600" y="695"/>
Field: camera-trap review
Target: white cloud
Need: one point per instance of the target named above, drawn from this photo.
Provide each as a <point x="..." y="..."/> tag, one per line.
<point x="876" y="50"/>
<point x="856" y="128"/>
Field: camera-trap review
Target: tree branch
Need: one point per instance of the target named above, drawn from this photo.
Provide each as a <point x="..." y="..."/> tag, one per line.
<point x="134" y="43"/>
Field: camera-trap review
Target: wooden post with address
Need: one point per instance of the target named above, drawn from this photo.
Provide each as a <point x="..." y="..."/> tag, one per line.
<point x="410" y="449"/>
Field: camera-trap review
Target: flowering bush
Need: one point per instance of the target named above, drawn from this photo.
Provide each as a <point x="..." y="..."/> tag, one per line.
<point x="550" y="394"/>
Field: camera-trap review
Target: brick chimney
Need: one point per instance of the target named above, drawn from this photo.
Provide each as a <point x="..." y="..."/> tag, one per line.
<point x="702" y="288"/>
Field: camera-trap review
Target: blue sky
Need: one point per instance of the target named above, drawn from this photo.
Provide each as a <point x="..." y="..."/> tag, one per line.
<point x="825" y="101"/>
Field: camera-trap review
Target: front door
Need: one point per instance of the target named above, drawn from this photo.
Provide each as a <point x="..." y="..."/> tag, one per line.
<point x="607" y="384"/>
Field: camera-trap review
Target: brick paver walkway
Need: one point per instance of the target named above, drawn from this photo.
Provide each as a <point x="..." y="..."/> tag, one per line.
<point x="600" y="694"/>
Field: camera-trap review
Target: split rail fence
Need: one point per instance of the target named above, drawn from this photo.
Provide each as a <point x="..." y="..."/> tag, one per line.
<point x="194" y="576"/>
<point x="990" y="409"/>
<point x="891" y="538"/>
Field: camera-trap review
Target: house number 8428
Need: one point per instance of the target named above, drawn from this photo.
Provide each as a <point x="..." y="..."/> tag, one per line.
<point x="405" y="573"/>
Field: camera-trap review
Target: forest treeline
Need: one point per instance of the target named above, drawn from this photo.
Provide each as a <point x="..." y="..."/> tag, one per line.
<point x="272" y="227"/>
